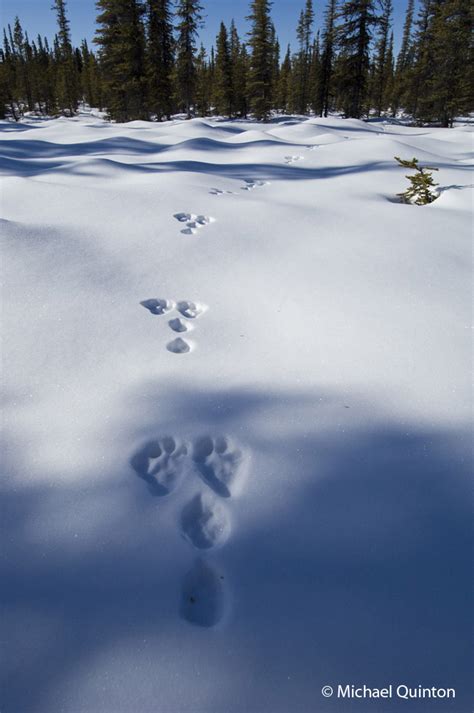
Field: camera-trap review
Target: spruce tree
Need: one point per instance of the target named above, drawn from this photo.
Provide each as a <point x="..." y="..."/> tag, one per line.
<point x="275" y="65"/>
<point x="262" y="58"/>
<point x="121" y="42"/>
<point x="355" y="32"/>
<point x="35" y="73"/>
<point x="327" y="57"/>
<point x="239" y="69"/>
<point x="189" y="17"/>
<point x="390" y="75"/>
<point x="314" y="74"/>
<point x="382" y="63"/>
<point x="8" y="97"/>
<point x="420" y="191"/>
<point x="160" y="58"/>
<point x="418" y="100"/>
<point x="22" y="68"/>
<point x="404" y="60"/>
<point x="284" y="83"/>
<point x="242" y="79"/>
<point x="67" y="89"/>
<point x="303" y="59"/>
<point x="451" y="87"/>
<point x="46" y="77"/>
<point x="223" y="84"/>
<point x="204" y="84"/>
<point x="90" y="76"/>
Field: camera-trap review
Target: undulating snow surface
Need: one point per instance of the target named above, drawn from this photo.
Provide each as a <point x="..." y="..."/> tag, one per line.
<point x="237" y="407"/>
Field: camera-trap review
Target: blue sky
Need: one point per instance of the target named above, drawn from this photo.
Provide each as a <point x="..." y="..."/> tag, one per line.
<point x="37" y="17"/>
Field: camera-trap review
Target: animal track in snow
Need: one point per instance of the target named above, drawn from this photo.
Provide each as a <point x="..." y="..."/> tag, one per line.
<point x="187" y="309"/>
<point x="179" y="325"/>
<point x="202" y="598"/>
<point x="219" y="463"/>
<point x="158" y="306"/>
<point x="160" y="464"/>
<point x="219" y="192"/>
<point x="251" y="184"/>
<point x="193" y="222"/>
<point x="179" y="346"/>
<point x="292" y="159"/>
<point x="205" y="522"/>
<point x="190" y="310"/>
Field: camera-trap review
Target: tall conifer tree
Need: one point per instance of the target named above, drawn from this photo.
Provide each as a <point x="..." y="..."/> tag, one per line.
<point x="189" y="17"/>
<point x="121" y="41"/>
<point x="355" y="35"/>
<point x="262" y="58"/>
<point x="160" y="58"/>
<point x="382" y="62"/>
<point x="67" y="70"/>
<point x="239" y="69"/>
<point x="327" y="57"/>
<point x="404" y="60"/>
<point x="303" y="59"/>
<point x="284" y="83"/>
<point x="204" y="83"/>
<point x="223" y="84"/>
<point x="417" y="95"/>
<point x="451" y="87"/>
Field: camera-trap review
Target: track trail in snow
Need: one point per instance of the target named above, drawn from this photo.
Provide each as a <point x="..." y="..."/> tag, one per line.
<point x="205" y="521"/>
<point x="193" y="222"/>
<point x="185" y="308"/>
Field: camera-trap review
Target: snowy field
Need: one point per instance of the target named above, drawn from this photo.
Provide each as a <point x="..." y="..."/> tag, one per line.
<point x="236" y="416"/>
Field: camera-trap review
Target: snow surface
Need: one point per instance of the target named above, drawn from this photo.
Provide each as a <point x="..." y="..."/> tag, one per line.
<point x="225" y="524"/>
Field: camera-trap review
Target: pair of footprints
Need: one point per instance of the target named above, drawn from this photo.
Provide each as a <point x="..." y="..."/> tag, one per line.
<point x="204" y="521"/>
<point x="193" y="222"/>
<point x="187" y="309"/>
<point x="250" y="184"/>
<point x="293" y="159"/>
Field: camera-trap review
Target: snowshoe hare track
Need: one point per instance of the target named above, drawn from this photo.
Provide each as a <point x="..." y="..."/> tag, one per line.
<point x="293" y="159"/>
<point x="160" y="464"/>
<point x="219" y="192"/>
<point x="205" y="522"/>
<point x="180" y="325"/>
<point x="190" y="310"/>
<point x="193" y="222"/>
<point x="179" y="346"/>
<point x="219" y="463"/>
<point x="202" y="599"/>
<point x="158" y="306"/>
<point x="251" y="184"/>
<point x="187" y="309"/>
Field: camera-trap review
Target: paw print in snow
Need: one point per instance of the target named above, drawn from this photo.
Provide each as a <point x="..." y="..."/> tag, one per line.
<point x="160" y="464"/>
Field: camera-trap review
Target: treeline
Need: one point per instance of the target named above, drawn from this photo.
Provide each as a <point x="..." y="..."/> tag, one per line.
<point x="148" y="64"/>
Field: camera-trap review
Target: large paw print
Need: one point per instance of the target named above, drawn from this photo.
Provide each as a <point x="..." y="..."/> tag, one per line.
<point x="219" y="463"/>
<point x="160" y="464"/>
<point x="205" y="522"/>
<point x="202" y="598"/>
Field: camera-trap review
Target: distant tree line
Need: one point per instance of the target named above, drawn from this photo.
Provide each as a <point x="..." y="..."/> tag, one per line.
<point x="148" y="64"/>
